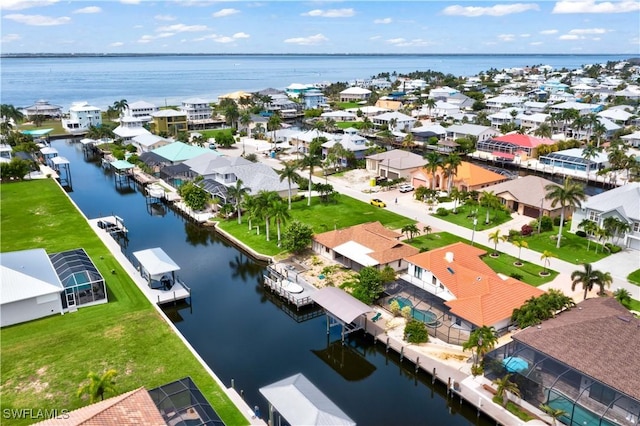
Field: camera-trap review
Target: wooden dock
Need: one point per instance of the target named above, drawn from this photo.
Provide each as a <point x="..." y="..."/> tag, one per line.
<point x="281" y="284"/>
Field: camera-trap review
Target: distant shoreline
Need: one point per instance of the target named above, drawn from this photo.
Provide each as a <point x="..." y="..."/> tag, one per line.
<point x="133" y="55"/>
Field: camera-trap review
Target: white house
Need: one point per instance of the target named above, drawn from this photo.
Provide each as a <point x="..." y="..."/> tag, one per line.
<point x="632" y="139"/>
<point x="129" y="128"/>
<point x="402" y="121"/>
<point x="503" y="101"/>
<point x="197" y="110"/>
<point x="30" y="287"/>
<point x="355" y="94"/>
<point x="42" y="108"/>
<point x="142" y="110"/>
<point x="481" y="133"/>
<point x="351" y="141"/>
<point x="148" y="142"/>
<point x="81" y="117"/>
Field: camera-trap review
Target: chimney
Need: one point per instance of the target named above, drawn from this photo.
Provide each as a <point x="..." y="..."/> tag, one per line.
<point x="449" y="256"/>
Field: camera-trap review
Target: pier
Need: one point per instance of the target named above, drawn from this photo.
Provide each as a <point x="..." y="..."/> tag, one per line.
<point x="283" y="280"/>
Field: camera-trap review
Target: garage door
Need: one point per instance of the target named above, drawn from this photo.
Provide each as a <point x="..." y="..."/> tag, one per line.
<point x="531" y="211"/>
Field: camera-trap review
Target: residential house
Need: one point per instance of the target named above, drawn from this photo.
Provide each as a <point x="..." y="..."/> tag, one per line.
<point x="535" y="107"/>
<point x="526" y="196"/>
<point x="355" y="94"/>
<point x="617" y="115"/>
<point x="506" y="116"/>
<point x="480" y="133"/>
<point x="142" y="110"/>
<point x="632" y="139"/>
<point x="497" y="103"/>
<point x="42" y="108"/>
<point x="301" y="140"/>
<point x="368" y="111"/>
<point x="367" y="244"/>
<point x="442" y="93"/>
<point x="622" y="203"/>
<point x="313" y="99"/>
<point x="394" y="121"/>
<point x="351" y="142"/>
<point x="582" y="108"/>
<point x="561" y="363"/>
<point x="610" y="128"/>
<point x="468" y="177"/>
<point x="6" y="153"/>
<point x="339" y="115"/>
<point x="169" y="121"/>
<point x="388" y="105"/>
<point x="149" y="142"/>
<point x="474" y="294"/>
<point x="129" y="128"/>
<point x="81" y="117"/>
<point x="573" y="159"/>
<point x="532" y="121"/>
<point x="440" y="109"/>
<point x="394" y="164"/>
<point x="179" y="152"/>
<point x="424" y="133"/>
<point x="514" y="144"/>
<point x="296" y="89"/>
<point x="198" y="112"/>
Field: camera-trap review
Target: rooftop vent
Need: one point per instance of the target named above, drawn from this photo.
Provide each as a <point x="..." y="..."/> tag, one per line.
<point x="449" y="256"/>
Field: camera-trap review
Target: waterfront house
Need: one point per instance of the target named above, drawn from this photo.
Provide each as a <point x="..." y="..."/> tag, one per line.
<point x="582" y="108"/>
<point x="129" y="128"/>
<point x="179" y="152"/>
<point x="474" y="294"/>
<point x="313" y="99"/>
<point x="367" y="244"/>
<point x="531" y="121"/>
<point x="442" y="93"/>
<point x="367" y="111"/>
<point x="339" y="116"/>
<point x="148" y="142"/>
<point x="505" y="117"/>
<point x="573" y="159"/>
<point x="169" y="121"/>
<point x="295" y="90"/>
<point x="142" y="110"/>
<point x="355" y="94"/>
<point x="81" y="117"/>
<point x="42" y="108"/>
<point x="610" y="128"/>
<point x="622" y="203"/>
<point x="535" y="107"/>
<point x="426" y="132"/>
<point x="508" y="146"/>
<point x="394" y="164"/>
<point x="198" y="113"/>
<point x="526" y="196"/>
<point x="617" y="115"/>
<point x="468" y="177"/>
<point x="632" y="139"/>
<point x="560" y="363"/>
<point x="480" y="133"/>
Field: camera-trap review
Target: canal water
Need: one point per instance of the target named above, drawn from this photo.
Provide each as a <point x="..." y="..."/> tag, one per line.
<point x="246" y="335"/>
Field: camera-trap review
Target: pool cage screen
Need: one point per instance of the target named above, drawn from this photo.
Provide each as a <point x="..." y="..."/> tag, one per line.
<point x="182" y="403"/>
<point x="543" y="380"/>
<point x="82" y="281"/>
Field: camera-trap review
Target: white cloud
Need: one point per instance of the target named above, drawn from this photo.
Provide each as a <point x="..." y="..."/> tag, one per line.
<point x="506" y="37"/>
<point x="402" y="42"/>
<point x="383" y="21"/>
<point x="8" y="38"/>
<point x="164" y="18"/>
<point x="588" y="31"/>
<point x="525" y="35"/>
<point x="88" y="9"/>
<point x="375" y="37"/>
<point x="497" y="10"/>
<point x="307" y="41"/>
<point x="130" y="1"/>
<point x="225" y="12"/>
<point x="330" y="13"/>
<point x="116" y="44"/>
<point x="590" y="6"/>
<point x="549" y="32"/>
<point x="536" y="43"/>
<point x="182" y="28"/>
<point x="25" y="4"/>
<point x="223" y="39"/>
<point x="241" y="35"/>
<point x="38" y="20"/>
<point x="569" y="37"/>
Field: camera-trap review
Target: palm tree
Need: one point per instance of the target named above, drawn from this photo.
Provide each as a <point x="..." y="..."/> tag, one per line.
<point x="589" y="278"/>
<point x="427" y="229"/>
<point x="280" y="214"/>
<point x="434" y="161"/>
<point x="452" y="162"/>
<point x="495" y="238"/>
<point x="622" y="295"/>
<point x="544" y="131"/>
<point x="490" y="201"/>
<point x="590" y="228"/>
<point x="310" y="160"/>
<point x="568" y="195"/>
<point x="9" y="112"/>
<point x="120" y="106"/>
<point x="290" y="173"/>
<point x="98" y="385"/>
<point x="504" y="387"/>
<point x="554" y="413"/>
<point x="265" y="201"/>
<point x="245" y="120"/>
<point x="249" y="204"/>
<point x="238" y="192"/>
<point x="274" y="123"/>
<point x="546" y="259"/>
<point x="520" y="243"/>
<point x="457" y="196"/>
<point x="410" y="230"/>
<point x="590" y="152"/>
<point x="483" y="340"/>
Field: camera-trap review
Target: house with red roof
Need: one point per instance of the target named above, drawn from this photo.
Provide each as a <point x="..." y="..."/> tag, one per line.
<point x="367" y="244"/>
<point x="474" y="294"/>
<point x="514" y="144"/>
<point x="468" y="177"/>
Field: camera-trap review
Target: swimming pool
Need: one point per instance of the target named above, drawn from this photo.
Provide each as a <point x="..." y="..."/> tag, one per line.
<point x="426" y="317"/>
<point x="581" y="415"/>
<point x="402" y="301"/>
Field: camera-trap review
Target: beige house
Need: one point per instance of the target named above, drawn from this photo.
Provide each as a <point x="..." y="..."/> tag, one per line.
<point x="395" y="164"/>
<point x="526" y="196"/>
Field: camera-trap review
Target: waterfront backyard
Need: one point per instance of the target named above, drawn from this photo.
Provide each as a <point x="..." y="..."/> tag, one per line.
<point x="44" y="361"/>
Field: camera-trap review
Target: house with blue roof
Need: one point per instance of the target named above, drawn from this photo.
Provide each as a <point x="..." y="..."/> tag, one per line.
<point x="179" y="152"/>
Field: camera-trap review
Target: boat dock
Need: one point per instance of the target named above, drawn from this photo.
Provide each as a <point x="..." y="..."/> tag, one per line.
<point x="112" y="224"/>
<point x="284" y="281"/>
<point x="159" y="270"/>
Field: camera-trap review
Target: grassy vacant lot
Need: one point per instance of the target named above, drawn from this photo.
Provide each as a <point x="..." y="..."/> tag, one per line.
<point x="573" y="249"/>
<point x="321" y="217"/>
<point x="496" y="217"/>
<point x="634" y="277"/>
<point x="504" y="264"/>
<point x="212" y="133"/>
<point x="347" y="124"/>
<point x="347" y="105"/>
<point x="56" y="125"/>
<point x="44" y="361"/>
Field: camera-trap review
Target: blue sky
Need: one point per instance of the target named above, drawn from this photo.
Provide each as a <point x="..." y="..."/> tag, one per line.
<point x="206" y="26"/>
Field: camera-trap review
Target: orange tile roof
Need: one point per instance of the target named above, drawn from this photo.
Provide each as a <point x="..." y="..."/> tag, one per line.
<point x="383" y="242"/>
<point x="129" y="409"/>
<point x="482" y="297"/>
<point x="469" y="174"/>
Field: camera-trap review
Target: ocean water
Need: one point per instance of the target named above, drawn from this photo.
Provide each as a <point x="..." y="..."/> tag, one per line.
<point x="167" y="80"/>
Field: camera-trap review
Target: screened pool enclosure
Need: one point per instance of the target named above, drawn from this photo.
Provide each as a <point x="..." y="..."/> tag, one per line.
<point x="83" y="284"/>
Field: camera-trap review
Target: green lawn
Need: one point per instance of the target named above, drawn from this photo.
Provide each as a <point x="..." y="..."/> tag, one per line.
<point x="56" y="125"/>
<point x="504" y="264"/>
<point x="212" y="133"/>
<point x="573" y="249"/>
<point x="44" y="361"/>
<point x="634" y="305"/>
<point x="634" y="277"/>
<point x="496" y="217"/>
<point x="347" y="105"/>
<point x="321" y="217"/>
<point x="347" y="124"/>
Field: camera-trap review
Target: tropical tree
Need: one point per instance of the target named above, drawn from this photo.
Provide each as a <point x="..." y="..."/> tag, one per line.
<point x="98" y="385"/>
<point x="274" y="124"/>
<point x="249" y="205"/>
<point x="602" y="235"/>
<point x="310" y="161"/>
<point x="495" y="237"/>
<point x="410" y="230"/>
<point x="544" y="131"/>
<point x="434" y="162"/>
<point x="590" y="228"/>
<point x="520" y="243"/>
<point x="490" y="201"/>
<point x="546" y="259"/>
<point x="504" y="387"/>
<point x="616" y="227"/>
<point x="569" y="194"/>
<point x="589" y="152"/>
<point x="451" y="164"/>
<point x="427" y="229"/>
<point x="554" y="413"/>
<point x="457" y="196"/>
<point x="540" y="308"/>
<point x="623" y="296"/>
<point x="245" y="120"/>
<point x="265" y="201"/>
<point x="366" y="125"/>
<point x="589" y="278"/>
<point x="237" y="192"/>
<point x="290" y="173"/>
<point x="120" y="106"/>
<point x="297" y="237"/>
<point x="481" y="341"/>
<point x="9" y="112"/>
<point x="280" y="214"/>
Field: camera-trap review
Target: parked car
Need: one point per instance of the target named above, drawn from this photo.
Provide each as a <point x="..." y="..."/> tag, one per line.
<point x="406" y="188"/>
<point x="378" y="203"/>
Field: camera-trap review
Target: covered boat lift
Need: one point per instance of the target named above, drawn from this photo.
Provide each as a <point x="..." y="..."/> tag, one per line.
<point x="300" y="402"/>
<point x="62" y="166"/>
<point x="123" y="171"/>
<point x="342" y="309"/>
<point x="159" y="270"/>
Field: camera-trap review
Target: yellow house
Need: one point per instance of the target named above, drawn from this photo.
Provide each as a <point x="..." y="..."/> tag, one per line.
<point x="169" y="121"/>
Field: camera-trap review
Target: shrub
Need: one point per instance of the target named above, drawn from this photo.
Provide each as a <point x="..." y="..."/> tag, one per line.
<point x="581" y="234"/>
<point x="444" y="199"/>
<point x="516" y="276"/>
<point x="442" y="211"/>
<point x="513" y="233"/>
<point x="406" y="312"/>
<point x="416" y="332"/>
<point x="546" y="224"/>
<point x="613" y="248"/>
<point x="394" y="307"/>
<point x="526" y="230"/>
<point x="476" y="370"/>
<point x="556" y="221"/>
